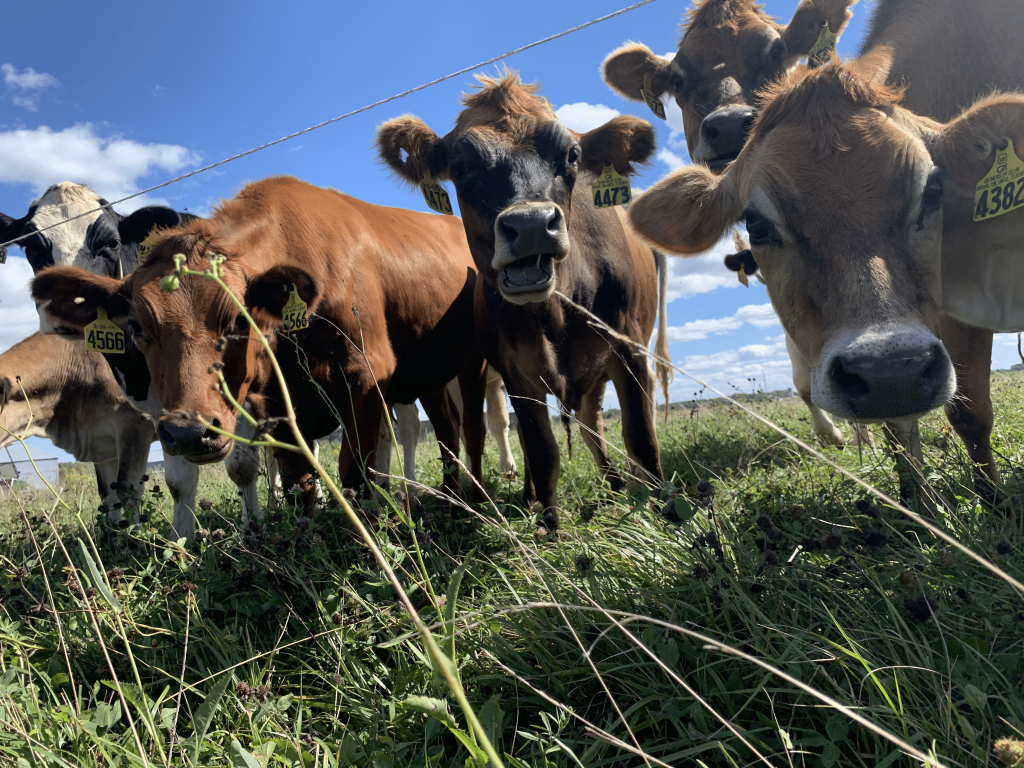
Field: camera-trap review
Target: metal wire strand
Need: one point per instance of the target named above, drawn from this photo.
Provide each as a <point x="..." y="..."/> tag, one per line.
<point x="333" y="120"/>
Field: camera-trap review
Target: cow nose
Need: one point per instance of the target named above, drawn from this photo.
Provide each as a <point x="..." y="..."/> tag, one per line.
<point x="184" y="436"/>
<point x="532" y="229"/>
<point x="723" y="134"/>
<point x="902" y="382"/>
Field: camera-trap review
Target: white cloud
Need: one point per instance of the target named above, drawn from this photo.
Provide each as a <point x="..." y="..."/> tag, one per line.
<point x="18" y="316"/>
<point x="690" y="275"/>
<point x="112" y="165"/>
<point x="671" y="159"/>
<point x="28" y="78"/>
<point x="759" y="315"/>
<point x="582" y="117"/>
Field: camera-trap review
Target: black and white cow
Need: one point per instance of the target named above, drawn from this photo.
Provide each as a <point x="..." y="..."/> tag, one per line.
<point x="106" y="243"/>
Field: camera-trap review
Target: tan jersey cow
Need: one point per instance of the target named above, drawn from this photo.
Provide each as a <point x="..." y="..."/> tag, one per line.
<point x="388" y="296"/>
<point x="861" y="211"/>
<point x="524" y="187"/>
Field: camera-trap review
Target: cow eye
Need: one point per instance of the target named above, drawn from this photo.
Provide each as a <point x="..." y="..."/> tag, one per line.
<point x="137" y="334"/>
<point x="241" y="324"/>
<point x="676" y="82"/>
<point x="112" y="245"/>
<point x="931" y="200"/>
<point x="574" y="155"/>
<point x="761" y="231"/>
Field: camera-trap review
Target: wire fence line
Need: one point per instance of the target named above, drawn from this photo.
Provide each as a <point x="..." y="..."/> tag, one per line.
<point x="339" y="118"/>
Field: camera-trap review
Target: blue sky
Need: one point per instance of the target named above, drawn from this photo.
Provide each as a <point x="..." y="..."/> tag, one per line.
<point x="125" y="95"/>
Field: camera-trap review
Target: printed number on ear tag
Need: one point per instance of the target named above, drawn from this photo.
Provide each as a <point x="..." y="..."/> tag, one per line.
<point x="437" y="199"/>
<point x="652" y="101"/>
<point x="101" y="335"/>
<point x="611" y="189"/>
<point x="1002" y="188"/>
<point x="3" y="255"/>
<point x="821" y="52"/>
<point x="295" y="312"/>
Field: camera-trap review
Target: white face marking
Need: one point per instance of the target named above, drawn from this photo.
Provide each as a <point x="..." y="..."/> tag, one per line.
<point x="61" y="202"/>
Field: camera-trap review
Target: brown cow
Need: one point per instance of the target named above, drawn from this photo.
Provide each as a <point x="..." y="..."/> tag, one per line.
<point x="843" y="191"/>
<point x="523" y="182"/>
<point x="55" y="389"/>
<point x="389" y="294"/>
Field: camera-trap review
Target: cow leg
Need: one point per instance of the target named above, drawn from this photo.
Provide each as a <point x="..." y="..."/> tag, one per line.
<point x="970" y="410"/>
<point x="591" y="418"/>
<point x="106" y="478"/>
<point x="635" y="388"/>
<point x="134" y="435"/>
<point x="540" y="452"/>
<point x="529" y="490"/>
<point x="441" y="411"/>
<point x="861" y="435"/>
<point x="498" y="422"/>
<point x="904" y="440"/>
<point x="408" y="418"/>
<point x="472" y="385"/>
<point x="384" y="448"/>
<point x="821" y="423"/>
<point x="182" y="478"/>
<point x="243" y="467"/>
<point x="358" y="455"/>
<point x="297" y="473"/>
<point x="273" y="480"/>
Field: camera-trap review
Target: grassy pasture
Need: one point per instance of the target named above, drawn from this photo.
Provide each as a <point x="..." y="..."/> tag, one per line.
<point x="283" y="645"/>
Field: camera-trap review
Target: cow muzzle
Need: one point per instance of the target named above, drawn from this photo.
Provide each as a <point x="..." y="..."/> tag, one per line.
<point x="529" y="240"/>
<point x="182" y="435"/>
<point x="722" y="135"/>
<point x="883" y="375"/>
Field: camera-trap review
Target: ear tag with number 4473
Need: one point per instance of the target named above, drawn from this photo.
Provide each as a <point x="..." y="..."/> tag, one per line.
<point x="652" y="101"/>
<point x="1002" y="188"/>
<point x="295" y="313"/>
<point x="437" y="199"/>
<point x="101" y="335"/>
<point x="821" y="51"/>
<point x="611" y="189"/>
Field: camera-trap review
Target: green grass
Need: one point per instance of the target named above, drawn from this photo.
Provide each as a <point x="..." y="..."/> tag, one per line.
<point x="283" y="645"/>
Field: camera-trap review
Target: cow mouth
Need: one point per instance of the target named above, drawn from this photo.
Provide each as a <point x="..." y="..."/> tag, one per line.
<point x="721" y="162"/>
<point x="212" y="457"/>
<point x="529" y="275"/>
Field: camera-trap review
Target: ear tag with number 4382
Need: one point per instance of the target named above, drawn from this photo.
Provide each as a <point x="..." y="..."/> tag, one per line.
<point x="652" y="101"/>
<point x="821" y="51"/>
<point x="101" y="335"/>
<point x="295" y="313"/>
<point x="611" y="189"/>
<point x="437" y="199"/>
<point x="1002" y="188"/>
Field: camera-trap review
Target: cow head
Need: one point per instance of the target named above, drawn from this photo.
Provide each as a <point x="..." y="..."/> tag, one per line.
<point x="729" y="50"/>
<point x="186" y="335"/>
<point x="515" y="168"/>
<point x="843" y="194"/>
<point x="102" y="242"/>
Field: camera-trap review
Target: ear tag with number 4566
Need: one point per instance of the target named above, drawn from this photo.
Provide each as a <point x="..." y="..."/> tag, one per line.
<point x="652" y="101"/>
<point x="821" y="51"/>
<point x="611" y="189"/>
<point x="295" y="313"/>
<point x="101" y="335"/>
<point x="437" y="199"/>
<point x="1002" y="188"/>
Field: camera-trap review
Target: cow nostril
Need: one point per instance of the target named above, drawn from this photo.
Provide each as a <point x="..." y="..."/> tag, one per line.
<point x="935" y="374"/>
<point x="748" y="123"/>
<point x="510" y="233"/>
<point x="555" y="222"/>
<point x="850" y="384"/>
<point x="710" y="132"/>
<point x="215" y="422"/>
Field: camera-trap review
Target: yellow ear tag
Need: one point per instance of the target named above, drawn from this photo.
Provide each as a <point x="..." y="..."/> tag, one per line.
<point x="295" y="313"/>
<point x="742" y="277"/>
<point x="3" y="255"/>
<point x="1002" y="188"/>
<point x="437" y="199"/>
<point x="611" y="189"/>
<point x="146" y="244"/>
<point x="821" y="52"/>
<point x="101" y="335"/>
<point x="652" y="101"/>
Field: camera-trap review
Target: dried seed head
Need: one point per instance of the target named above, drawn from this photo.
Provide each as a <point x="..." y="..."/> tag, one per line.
<point x="218" y="534"/>
<point x="908" y="579"/>
<point x="188" y="586"/>
<point x="765" y="523"/>
<point x="115" y="574"/>
<point x="700" y="572"/>
<point x="771" y="557"/>
<point x="337" y="618"/>
<point x="1009" y="752"/>
<point x="920" y="608"/>
<point x="584" y="563"/>
<point x="202" y="534"/>
<point x="875" y="539"/>
<point x="243" y="690"/>
<point x="1004" y="548"/>
<point x="832" y="540"/>
<point x="946" y="558"/>
<point x="705" y="488"/>
<point x="167" y="589"/>
<point x="91" y="592"/>
<point x="205" y="504"/>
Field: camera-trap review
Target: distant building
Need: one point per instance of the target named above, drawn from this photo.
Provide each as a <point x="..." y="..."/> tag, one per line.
<point x="15" y="467"/>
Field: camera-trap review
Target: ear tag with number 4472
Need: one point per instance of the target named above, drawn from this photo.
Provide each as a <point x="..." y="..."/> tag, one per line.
<point x="1002" y="188"/>
<point x="652" y="101"/>
<point x="101" y="335"/>
<point x="611" y="189"/>
<point x="295" y="315"/>
<point x="821" y="51"/>
<point x="437" y="199"/>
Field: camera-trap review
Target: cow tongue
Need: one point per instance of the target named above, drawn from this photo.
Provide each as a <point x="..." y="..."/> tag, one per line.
<point x="528" y="272"/>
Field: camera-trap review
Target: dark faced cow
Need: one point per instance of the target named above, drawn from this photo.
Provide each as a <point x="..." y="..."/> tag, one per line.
<point x="523" y="183"/>
<point x="107" y="243"/>
<point x="390" y="303"/>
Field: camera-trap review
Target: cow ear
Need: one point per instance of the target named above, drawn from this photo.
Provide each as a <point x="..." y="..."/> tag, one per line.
<point x="808" y="23"/>
<point x="6" y="391"/>
<point x="627" y="67"/>
<point x="623" y="141"/>
<point x="135" y="227"/>
<point x="688" y="211"/>
<point x="10" y="228"/>
<point x="424" y="150"/>
<point x="68" y="298"/>
<point x="270" y="291"/>
<point x="967" y="148"/>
